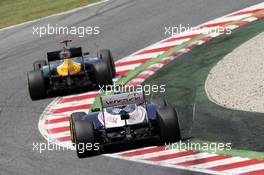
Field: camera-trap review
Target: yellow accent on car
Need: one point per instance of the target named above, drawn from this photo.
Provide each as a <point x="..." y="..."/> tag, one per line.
<point x="68" y="67"/>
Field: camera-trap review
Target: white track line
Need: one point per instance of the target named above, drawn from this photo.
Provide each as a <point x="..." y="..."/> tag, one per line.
<point x="64" y="114"/>
<point x="187" y="158"/>
<point x="166" y="44"/>
<point x="245" y="169"/>
<point x="127" y="67"/>
<point x="133" y="150"/>
<point x="57" y="125"/>
<point x="73" y="103"/>
<point x="139" y="57"/>
<point x="155" y="154"/>
<point x="59" y="134"/>
<point x="78" y="95"/>
<point x="219" y="162"/>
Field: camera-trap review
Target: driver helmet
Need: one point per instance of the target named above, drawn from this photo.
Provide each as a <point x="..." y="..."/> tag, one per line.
<point x="64" y="54"/>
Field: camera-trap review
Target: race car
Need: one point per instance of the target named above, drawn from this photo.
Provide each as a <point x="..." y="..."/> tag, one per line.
<point x="70" y="69"/>
<point x="124" y="118"/>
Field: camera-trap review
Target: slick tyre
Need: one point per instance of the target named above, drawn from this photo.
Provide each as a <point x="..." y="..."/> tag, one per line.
<point x="85" y="138"/>
<point x="75" y="117"/>
<point x="158" y="101"/>
<point x="102" y="74"/>
<point x="106" y="56"/>
<point x="36" y="85"/>
<point x="38" y="64"/>
<point x="168" y="124"/>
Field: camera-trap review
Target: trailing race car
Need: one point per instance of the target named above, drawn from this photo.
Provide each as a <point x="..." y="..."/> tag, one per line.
<point x="70" y="69"/>
<point x="124" y="118"/>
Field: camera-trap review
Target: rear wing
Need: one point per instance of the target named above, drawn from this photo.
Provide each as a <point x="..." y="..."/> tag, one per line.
<point x="123" y="99"/>
<point x="75" y="52"/>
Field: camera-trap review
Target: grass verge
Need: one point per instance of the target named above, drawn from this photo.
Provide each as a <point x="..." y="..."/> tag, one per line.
<point x="16" y="11"/>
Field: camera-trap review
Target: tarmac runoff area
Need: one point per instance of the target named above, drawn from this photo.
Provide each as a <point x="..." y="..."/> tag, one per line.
<point x="237" y="81"/>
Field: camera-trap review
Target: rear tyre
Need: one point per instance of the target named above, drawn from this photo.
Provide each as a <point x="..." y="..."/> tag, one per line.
<point x="159" y="101"/>
<point x="85" y="138"/>
<point x="102" y="74"/>
<point x="36" y="85"/>
<point x="38" y="64"/>
<point x="106" y="56"/>
<point x="168" y="124"/>
<point x="75" y="117"/>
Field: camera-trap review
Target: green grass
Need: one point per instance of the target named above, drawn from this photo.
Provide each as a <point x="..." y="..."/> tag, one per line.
<point x="17" y="11"/>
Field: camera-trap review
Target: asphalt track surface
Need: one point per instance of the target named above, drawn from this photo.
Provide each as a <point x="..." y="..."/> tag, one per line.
<point x="126" y="26"/>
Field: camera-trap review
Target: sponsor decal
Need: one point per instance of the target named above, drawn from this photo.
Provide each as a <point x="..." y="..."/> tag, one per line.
<point x="111" y="120"/>
<point x="122" y="99"/>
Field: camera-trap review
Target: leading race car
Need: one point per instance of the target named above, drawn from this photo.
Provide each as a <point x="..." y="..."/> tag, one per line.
<point x="70" y="69"/>
<point x="124" y="118"/>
